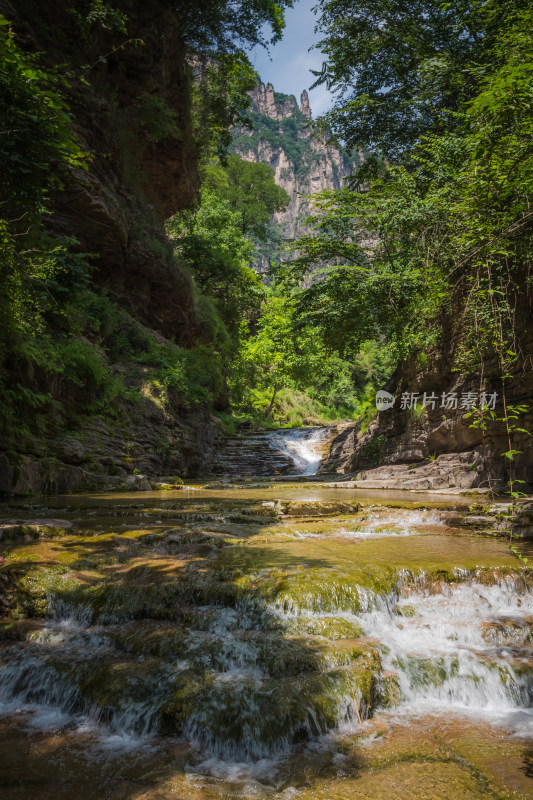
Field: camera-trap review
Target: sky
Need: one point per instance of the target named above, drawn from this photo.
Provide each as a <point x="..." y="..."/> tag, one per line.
<point x="288" y="70"/>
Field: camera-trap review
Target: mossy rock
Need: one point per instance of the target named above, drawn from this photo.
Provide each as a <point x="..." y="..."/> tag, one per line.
<point x="328" y="626"/>
<point x="429" y="672"/>
<point x="39" y="588"/>
<point x="322" y="591"/>
<point x="507" y="632"/>
<point x="406" y="611"/>
<point x="34" y="529"/>
<point x="318" y="508"/>
<point x="123" y="694"/>
<point x="249" y="717"/>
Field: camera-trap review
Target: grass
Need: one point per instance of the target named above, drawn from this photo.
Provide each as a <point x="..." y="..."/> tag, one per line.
<point x="293" y="408"/>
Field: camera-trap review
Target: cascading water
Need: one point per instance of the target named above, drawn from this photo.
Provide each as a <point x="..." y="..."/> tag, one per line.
<point x="462" y="647"/>
<point x="293" y="451"/>
<point x="302" y="446"/>
<point x="294" y="632"/>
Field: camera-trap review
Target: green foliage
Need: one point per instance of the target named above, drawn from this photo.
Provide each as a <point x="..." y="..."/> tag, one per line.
<point x="37" y="145"/>
<point x="277" y="356"/>
<point x="361" y="287"/>
<point x="212" y="27"/>
<point x="253" y="193"/>
<point x="212" y="244"/>
<point x="81" y="363"/>
<point x="157" y="117"/>
<point x="218" y="27"/>
<point x="182" y="378"/>
<point x="284" y="372"/>
<point x="220" y="100"/>
<point x="37" y="148"/>
<point x="436" y="231"/>
<point x="451" y="220"/>
<point x="67" y="348"/>
<point x="402" y="70"/>
<point x="100" y="15"/>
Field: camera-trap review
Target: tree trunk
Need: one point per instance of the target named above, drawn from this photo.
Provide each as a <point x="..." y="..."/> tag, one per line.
<point x="271" y="406"/>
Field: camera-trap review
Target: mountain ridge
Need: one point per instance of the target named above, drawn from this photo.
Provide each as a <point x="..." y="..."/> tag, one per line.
<point x="282" y="136"/>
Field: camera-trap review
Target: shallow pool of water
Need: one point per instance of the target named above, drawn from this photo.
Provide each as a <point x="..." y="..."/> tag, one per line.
<point x="221" y="644"/>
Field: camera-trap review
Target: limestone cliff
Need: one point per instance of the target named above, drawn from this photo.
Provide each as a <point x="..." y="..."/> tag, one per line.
<point x="283" y="137"/>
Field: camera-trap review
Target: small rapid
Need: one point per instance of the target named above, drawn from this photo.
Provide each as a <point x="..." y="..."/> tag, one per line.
<point x="460" y="647"/>
<point x="302" y="446"/>
<point x="250" y="638"/>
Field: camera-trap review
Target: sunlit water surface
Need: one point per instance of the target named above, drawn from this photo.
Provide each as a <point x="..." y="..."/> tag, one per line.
<point x="196" y="644"/>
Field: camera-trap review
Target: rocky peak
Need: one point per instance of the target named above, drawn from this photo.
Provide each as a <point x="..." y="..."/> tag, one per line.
<point x="305" y="109"/>
<point x="271" y="104"/>
<point x="303" y="164"/>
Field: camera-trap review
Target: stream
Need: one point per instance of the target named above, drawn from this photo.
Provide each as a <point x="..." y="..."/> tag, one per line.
<point x="283" y="451"/>
<point x="289" y="640"/>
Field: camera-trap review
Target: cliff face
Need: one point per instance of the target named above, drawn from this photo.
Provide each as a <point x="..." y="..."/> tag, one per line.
<point x="436" y="446"/>
<point x="131" y="111"/>
<point x="282" y="137"/>
<point x="137" y="177"/>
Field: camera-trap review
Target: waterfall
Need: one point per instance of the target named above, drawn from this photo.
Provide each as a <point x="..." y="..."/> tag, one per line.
<point x="292" y="451"/>
<point x="302" y="446"/>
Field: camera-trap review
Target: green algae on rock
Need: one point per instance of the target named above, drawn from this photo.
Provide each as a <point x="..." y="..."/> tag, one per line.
<point x="245" y="642"/>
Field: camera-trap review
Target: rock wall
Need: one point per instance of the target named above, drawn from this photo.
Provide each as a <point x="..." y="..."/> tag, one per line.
<point x="137" y="177"/>
<point x="100" y="455"/>
<point x="437" y="447"/>
<point x="283" y="137"/>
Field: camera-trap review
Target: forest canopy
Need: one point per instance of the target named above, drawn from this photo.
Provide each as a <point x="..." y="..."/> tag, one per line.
<point x="436" y="229"/>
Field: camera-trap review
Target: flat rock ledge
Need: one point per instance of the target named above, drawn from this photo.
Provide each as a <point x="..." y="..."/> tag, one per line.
<point x="34" y="528"/>
<point x="310" y="508"/>
<point x="447" y="471"/>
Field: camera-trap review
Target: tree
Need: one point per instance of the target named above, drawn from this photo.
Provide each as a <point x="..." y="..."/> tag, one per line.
<point x="218" y="26"/>
<point x="253" y="193"/>
<point x="37" y="147"/>
<point x="278" y="355"/>
<point x="213" y="246"/>
<point x="220" y="101"/>
<point x="403" y="67"/>
<point x="447" y="233"/>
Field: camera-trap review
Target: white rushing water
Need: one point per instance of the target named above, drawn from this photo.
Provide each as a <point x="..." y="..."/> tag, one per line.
<point x="462" y="647"/>
<point x="399" y="523"/>
<point x="303" y="446"/>
<point x="465" y="648"/>
<point x="256" y="674"/>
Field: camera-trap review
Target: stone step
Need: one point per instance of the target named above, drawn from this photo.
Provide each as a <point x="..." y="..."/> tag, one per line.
<point x="257" y="453"/>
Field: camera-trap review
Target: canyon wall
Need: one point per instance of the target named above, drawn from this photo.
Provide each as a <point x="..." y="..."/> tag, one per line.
<point x="283" y="137"/>
<point x="138" y="174"/>
<point x="436" y="445"/>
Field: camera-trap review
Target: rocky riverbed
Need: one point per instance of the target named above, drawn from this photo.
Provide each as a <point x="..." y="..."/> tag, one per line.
<point x="276" y="640"/>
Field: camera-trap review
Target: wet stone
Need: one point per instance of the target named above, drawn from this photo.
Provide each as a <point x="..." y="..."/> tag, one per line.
<point x="273" y="641"/>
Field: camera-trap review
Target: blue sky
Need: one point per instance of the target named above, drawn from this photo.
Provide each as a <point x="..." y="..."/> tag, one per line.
<point x="289" y="68"/>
